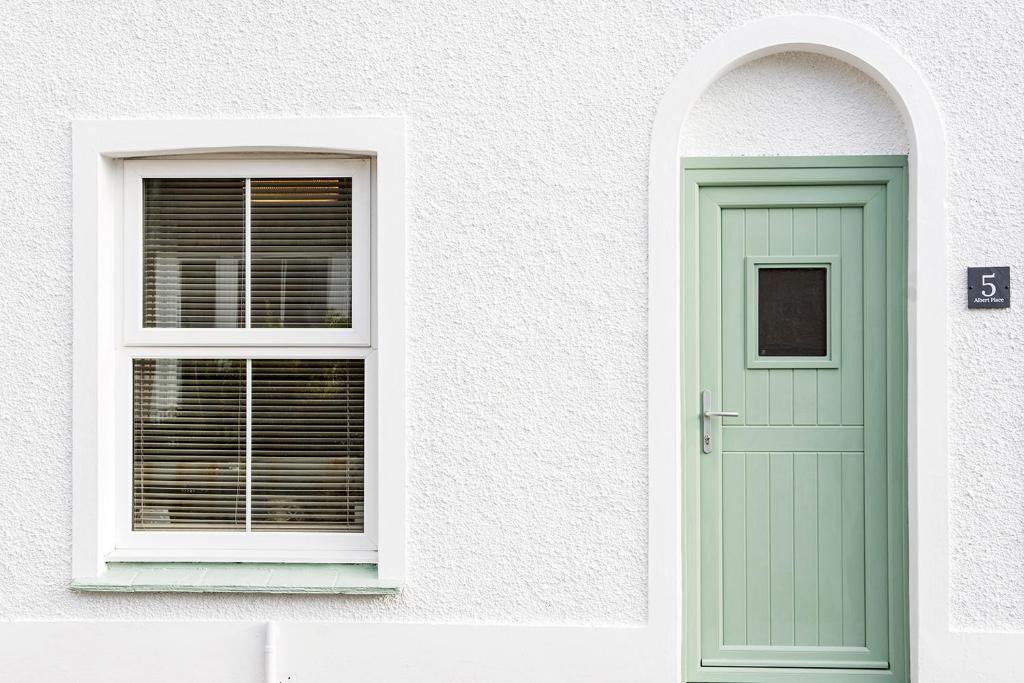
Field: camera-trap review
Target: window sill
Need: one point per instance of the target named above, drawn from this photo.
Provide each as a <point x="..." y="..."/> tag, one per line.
<point x="215" y="577"/>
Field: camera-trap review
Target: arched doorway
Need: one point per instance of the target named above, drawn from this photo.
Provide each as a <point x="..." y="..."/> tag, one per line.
<point x="671" y="351"/>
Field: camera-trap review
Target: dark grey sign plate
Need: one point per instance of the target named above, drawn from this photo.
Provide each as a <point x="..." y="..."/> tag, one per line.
<point x="988" y="287"/>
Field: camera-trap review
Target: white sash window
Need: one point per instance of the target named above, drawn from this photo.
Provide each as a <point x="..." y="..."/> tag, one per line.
<point x="239" y="347"/>
<point x="247" y="340"/>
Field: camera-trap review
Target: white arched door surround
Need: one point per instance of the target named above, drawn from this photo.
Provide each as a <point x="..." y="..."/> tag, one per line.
<point x="937" y="653"/>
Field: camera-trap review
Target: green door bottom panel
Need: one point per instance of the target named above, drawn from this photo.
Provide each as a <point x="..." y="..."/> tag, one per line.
<point x="795" y="522"/>
<point x="699" y="674"/>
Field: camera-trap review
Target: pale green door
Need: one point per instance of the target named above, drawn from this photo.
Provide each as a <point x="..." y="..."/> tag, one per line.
<point x="800" y="300"/>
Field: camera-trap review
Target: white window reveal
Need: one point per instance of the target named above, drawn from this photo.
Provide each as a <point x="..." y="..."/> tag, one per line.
<point x="248" y="387"/>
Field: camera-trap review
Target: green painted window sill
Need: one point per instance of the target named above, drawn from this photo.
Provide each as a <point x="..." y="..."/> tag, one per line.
<point x="216" y="577"/>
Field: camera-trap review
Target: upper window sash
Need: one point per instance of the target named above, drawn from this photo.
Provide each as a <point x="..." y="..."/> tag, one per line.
<point x="135" y="171"/>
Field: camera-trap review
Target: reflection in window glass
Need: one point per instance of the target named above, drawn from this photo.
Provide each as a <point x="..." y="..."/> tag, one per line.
<point x="192" y="465"/>
<point x="193" y="272"/>
<point x="307" y="445"/>
<point x="302" y="252"/>
<point x="194" y="252"/>
<point x="188" y="444"/>
<point x="792" y="312"/>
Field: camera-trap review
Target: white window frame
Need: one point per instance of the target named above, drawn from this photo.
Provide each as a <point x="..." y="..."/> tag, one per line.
<point x="109" y="160"/>
<point x="153" y="342"/>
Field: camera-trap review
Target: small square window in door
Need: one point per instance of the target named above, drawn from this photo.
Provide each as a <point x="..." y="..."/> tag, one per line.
<point x="792" y="312"/>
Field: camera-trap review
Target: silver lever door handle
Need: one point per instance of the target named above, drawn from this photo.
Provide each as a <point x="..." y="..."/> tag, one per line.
<point x="705" y="397"/>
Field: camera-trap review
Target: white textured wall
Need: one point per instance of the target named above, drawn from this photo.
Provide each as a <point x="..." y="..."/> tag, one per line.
<point x="529" y="129"/>
<point x="794" y="103"/>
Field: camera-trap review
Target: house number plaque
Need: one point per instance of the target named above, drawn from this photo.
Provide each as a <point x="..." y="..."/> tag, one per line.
<point x="988" y="287"/>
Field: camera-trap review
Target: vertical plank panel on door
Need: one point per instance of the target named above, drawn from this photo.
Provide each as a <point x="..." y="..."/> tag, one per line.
<point x="780" y="382"/>
<point x="805" y="397"/>
<point x="853" y="315"/>
<point x="830" y="380"/>
<point x="780" y="232"/>
<point x="734" y="549"/>
<point x="733" y="352"/>
<point x="781" y="523"/>
<point x="758" y="542"/>
<point x="853" y="550"/>
<point x="805" y="232"/>
<point x="780" y="397"/>
<point x="830" y="549"/>
<point x="805" y="381"/>
<point x="756" y="412"/>
<point x="805" y="548"/>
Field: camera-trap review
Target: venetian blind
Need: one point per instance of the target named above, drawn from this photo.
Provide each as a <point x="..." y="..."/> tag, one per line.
<point x="303" y="465"/>
<point x="189" y="450"/>
<point x="302" y="252"/>
<point x="193" y="252"/>
<point x="307" y="445"/>
<point x="248" y="444"/>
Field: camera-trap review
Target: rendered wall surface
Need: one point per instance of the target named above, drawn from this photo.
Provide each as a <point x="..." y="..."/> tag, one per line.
<point x="798" y="104"/>
<point x="529" y="130"/>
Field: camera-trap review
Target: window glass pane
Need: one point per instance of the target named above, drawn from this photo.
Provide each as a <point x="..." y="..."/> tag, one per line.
<point x="188" y="449"/>
<point x="307" y="445"/>
<point x="302" y="252"/>
<point x="792" y="312"/>
<point x="193" y="272"/>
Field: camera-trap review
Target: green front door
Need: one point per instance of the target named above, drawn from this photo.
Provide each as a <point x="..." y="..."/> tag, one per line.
<point x="800" y="301"/>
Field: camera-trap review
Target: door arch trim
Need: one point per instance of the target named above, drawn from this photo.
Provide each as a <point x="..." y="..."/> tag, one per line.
<point x="930" y="635"/>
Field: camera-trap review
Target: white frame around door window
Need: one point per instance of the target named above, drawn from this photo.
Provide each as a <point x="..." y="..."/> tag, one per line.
<point x="243" y="343"/>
